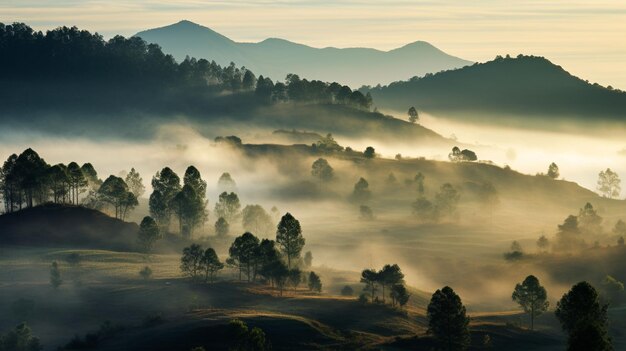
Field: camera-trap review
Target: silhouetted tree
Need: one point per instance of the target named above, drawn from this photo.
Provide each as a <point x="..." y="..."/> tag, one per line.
<point x="243" y="253"/>
<point x="221" y="227"/>
<point x="424" y="209"/>
<point x="584" y="318"/>
<point x="114" y="191"/>
<point x="388" y="276"/>
<point x="447" y="320"/>
<point x="308" y="259"/>
<point x="328" y="144"/>
<point x="77" y="181"/>
<point x="211" y="264"/>
<point x="370" y="277"/>
<point x="413" y="116"/>
<point x="191" y="261"/>
<point x="55" y="275"/>
<point x="148" y="234"/>
<point x="446" y="199"/>
<point x="289" y="237"/>
<point x="315" y="283"/>
<point x="553" y="171"/>
<point x="369" y="152"/>
<point x="166" y="184"/>
<point x="542" y="243"/>
<point x="245" y="339"/>
<point x="361" y="190"/>
<point x="399" y="295"/>
<point x="347" y="291"/>
<point x="568" y="235"/>
<point x="295" y="278"/>
<point x="609" y="184"/>
<point x="145" y="272"/>
<point x="532" y="297"/>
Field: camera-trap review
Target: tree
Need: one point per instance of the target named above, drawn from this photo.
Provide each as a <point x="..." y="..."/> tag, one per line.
<point x="76" y="179"/>
<point x="584" y="318"/>
<point x="609" y="184"/>
<point x="446" y="199"/>
<point x="166" y="184"/>
<point x="148" y="233"/>
<point x="532" y="297"/>
<point x="221" y="227"/>
<point x="146" y="272"/>
<point x="568" y="235"/>
<point x="20" y="339"/>
<point x="389" y="275"/>
<point x="191" y="261"/>
<point x="226" y="182"/>
<point x="328" y="144"/>
<point x="370" y="277"/>
<point x="413" y="115"/>
<point x="620" y="228"/>
<point x="542" y="243"/>
<point x="189" y="209"/>
<point x="246" y="339"/>
<point x="366" y="213"/>
<point x="55" y="275"/>
<point x="243" y="253"/>
<point x="228" y="206"/>
<point x="211" y="264"/>
<point x="322" y="170"/>
<point x="553" y="171"/>
<point x="361" y="190"/>
<point x="159" y="209"/>
<point x="369" y="152"/>
<point x="315" y="283"/>
<point x="255" y="219"/>
<point x="458" y="155"/>
<point x="114" y="191"/>
<point x="135" y="183"/>
<point x="399" y="294"/>
<point x="308" y="259"/>
<point x="447" y="320"/>
<point x="289" y="237"/>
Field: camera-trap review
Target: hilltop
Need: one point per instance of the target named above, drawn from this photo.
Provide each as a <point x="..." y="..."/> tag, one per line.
<point x="528" y="87"/>
<point x="276" y="57"/>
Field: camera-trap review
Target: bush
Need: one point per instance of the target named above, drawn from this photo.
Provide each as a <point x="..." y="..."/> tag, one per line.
<point x="146" y="272"/>
<point x="347" y="291"/>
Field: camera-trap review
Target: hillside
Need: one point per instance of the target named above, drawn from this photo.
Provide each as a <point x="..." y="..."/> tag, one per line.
<point x="276" y="58"/>
<point x="68" y="226"/>
<point x="527" y="86"/>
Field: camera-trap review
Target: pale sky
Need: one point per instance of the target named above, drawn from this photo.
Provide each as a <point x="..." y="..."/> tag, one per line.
<point x="587" y="38"/>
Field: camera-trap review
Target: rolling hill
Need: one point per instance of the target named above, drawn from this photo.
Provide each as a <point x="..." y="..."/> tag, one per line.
<point x="277" y="57"/>
<point x="528" y="86"/>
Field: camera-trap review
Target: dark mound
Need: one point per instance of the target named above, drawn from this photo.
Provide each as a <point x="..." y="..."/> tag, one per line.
<point x="68" y="226"/>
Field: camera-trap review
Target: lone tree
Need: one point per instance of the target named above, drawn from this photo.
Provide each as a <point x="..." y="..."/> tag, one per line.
<point x="609" y="184"/>
<point x="148" y="233"/>
<point x="447" y="320"/>
<point x="322" y="170"/>
<point x="361" y="190"/>
<point x="584" y="318"/>
<point x="369" y="152"/>
<point x="211" y="264"/>
<point x="413" y="115"/>
<point x="553" y="171"/>
<point x="532" y="297"/>
<point x="289" y="237"/>
<point x="315" y="283"/>
<point x="55" y="275"/>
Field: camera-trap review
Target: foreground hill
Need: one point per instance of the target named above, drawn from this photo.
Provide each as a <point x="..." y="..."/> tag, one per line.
<point x="68" y="226"/>
<point x="277" y="57"/>
<point x="526" y="86"/>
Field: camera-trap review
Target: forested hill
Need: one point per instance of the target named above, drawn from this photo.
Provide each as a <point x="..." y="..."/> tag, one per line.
<point x="277" y="57"/>
<point x="527" y="85"/>
<point x="69" y="78"/>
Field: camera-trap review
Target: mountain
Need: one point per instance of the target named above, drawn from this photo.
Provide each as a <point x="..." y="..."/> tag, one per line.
<point x="277" y="57"/>
<point x="528" y="86"/>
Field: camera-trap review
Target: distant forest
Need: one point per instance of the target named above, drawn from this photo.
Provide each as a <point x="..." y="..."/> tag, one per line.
<point x="71" y="68"/>
<point x="506" y="86"/>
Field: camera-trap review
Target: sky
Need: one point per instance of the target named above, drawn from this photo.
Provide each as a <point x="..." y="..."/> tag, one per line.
<point x="587" y="38"/>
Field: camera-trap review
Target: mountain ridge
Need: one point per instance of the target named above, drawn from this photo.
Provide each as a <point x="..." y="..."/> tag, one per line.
<point x="276" y="57"/>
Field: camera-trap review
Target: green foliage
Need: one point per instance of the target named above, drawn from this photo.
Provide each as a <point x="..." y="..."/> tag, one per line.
<point x="211" y="264"/>
<point x="584" y="318"/>
<point x="243" y="252"/>
<point x="191" y="261"/>
<point x="114" y="191"/>
<point x="55" y="275"/>
<point x="369" y="152"/>
<point x="327" y="144"/>
<point x="289" y="237"/>
<point x="245" y="339"/>
<point x="532" y="297"/>
<point x="20" y="339"/>
<point x="189" y="208"/>
<point x="165" y="185"/>
<point x="148" y="234"/>
<point x="447" y="320"/>
<point x="458" y="155"/>
<point x="315" y="283"/>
